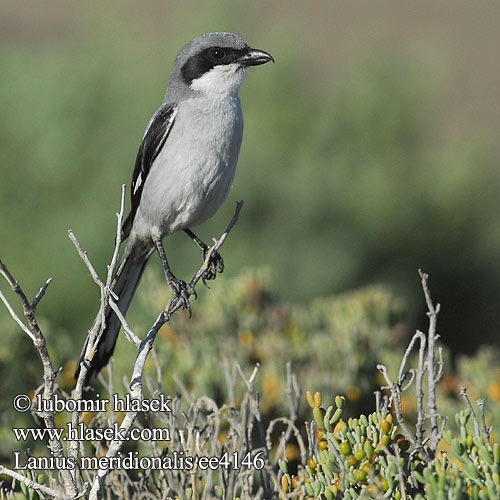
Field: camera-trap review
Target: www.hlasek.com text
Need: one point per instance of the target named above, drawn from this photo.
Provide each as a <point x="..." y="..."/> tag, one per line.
<point x="83" y="433"/>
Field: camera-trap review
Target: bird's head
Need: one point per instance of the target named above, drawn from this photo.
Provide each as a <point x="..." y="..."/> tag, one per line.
<point x="215" y="63"/>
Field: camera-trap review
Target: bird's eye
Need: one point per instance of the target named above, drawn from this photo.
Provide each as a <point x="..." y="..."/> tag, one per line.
<point x="217" y="53"/>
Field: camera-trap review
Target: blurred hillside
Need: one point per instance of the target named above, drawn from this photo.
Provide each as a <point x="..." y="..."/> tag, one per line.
<point x="370" y="149"/>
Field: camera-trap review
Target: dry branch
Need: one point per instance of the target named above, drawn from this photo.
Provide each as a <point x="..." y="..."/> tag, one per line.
<point x="32" y="329"/>
<point x="426" y="363"/>
<point x="73" y="479"/>
<point x="145" y="347"/>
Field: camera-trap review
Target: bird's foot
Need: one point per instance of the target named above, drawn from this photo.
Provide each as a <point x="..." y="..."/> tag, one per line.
<point x="181" y="291"/>
<point x="215" y="263"/>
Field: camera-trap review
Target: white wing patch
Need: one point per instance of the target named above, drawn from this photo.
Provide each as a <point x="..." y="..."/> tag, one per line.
<point x="166" y="131"/>
<point x="138" y="182"/>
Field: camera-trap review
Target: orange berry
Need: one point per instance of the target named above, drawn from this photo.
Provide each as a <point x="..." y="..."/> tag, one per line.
<point x="323" y="444"/>
<point x="320" y="434"/>
<point x="367" y="467"/>
<point x="337" y="431"/>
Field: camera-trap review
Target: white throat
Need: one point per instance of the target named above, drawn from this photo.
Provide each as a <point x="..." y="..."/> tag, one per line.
<point x="224" y="80"/>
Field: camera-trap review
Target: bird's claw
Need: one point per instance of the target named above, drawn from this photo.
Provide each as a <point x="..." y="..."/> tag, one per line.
<point x="215" y="263"/>
<point x="181" y="291"/>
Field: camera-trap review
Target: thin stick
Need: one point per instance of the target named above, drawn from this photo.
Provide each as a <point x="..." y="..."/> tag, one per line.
<point x="24" y="328"/>
<point x="135" y="389"/>
<point x="95" y="332"/>
<point x="129" y="334"/>
<point x="34" y="485"/>
<point x="396" y="398"/>
<point x="419" y="427"/>
<point x="49" y="374"/>
<point x="463" y="393"/>
<point x="486" y="431"/>
<point x="432" y="379"/>
<point x="40" y="294"/>
<point x="402" y="489"/>
<point x="118" y="241"/>
<point x="83" y="254"/>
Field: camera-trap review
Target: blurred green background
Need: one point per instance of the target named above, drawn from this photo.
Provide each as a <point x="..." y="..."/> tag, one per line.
<point x="370" y="150"/>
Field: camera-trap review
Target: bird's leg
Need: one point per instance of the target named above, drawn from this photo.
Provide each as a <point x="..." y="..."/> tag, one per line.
<point x="215" y="261"/>
<point x="180" y="288"/>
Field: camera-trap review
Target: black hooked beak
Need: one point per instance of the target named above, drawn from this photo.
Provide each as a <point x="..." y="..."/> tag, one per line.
<point x="255" y="57"/>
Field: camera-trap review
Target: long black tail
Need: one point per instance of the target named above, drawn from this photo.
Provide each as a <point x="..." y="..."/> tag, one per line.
<point x="125" y="283"/>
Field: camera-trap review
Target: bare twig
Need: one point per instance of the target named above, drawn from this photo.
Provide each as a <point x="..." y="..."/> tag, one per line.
<point x="34" y="485"/>
<point x="175" y="304"/>
<point x="440" y="372"/>
<point x="419" y="427"/>
<point x="432" y="312"/>
<point x="129" y="334"/>
<point x="145" y="347"/>
<point x="16" y="318"/>
<point x="293" y="392"/>
<point x="98" y="327"/>
<point x="426" y="362"/>
<point x="49" y="374"/>
<point x="40" y="294"/>
<point x="402" y="489"/>
<point x="116" y="252"/>
<point x="248" y="381"/>
<point x="157" y="365"/>
<point x="377" y="401"/>
<point x="294" y="396"/>
<point x="293" y="428"/>
<point x="396" y="398"/>
<point x="83" y="254"/>
<point x="105" y="288"/>
<point x="463" y="393"/>
<point x="229" y="381"/>
<point x="340" y="461"/>
<point x="486" y="431"/>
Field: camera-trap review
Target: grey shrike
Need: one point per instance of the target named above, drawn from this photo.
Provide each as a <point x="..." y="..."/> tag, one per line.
<point x="184" y="168"/>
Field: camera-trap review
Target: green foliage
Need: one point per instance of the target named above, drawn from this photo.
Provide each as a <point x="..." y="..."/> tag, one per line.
<point x="244" y="319"/>
<point x="368" y="457"/>
<point x="480" y="374"/>
<point x="332" y="342"/>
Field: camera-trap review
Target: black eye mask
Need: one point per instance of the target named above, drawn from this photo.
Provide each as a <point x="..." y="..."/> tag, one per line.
<point x="205" y="60"/>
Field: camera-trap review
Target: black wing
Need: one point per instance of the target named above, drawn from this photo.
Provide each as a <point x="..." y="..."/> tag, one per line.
<point x="152" y="143"/>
